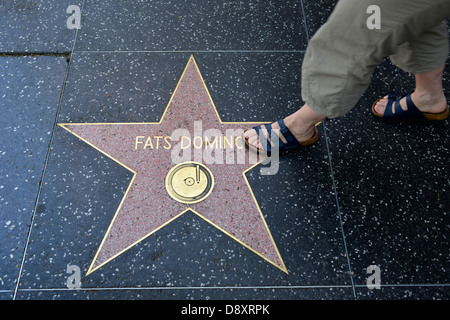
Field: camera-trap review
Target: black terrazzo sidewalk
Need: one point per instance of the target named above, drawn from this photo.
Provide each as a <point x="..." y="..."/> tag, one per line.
<point x="368" y="193"/>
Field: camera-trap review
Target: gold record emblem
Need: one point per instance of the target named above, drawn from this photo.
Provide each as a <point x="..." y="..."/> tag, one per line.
<point x="189" y="182"/>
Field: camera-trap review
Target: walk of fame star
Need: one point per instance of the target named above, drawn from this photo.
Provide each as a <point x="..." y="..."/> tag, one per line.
<point x="161" y="190"/>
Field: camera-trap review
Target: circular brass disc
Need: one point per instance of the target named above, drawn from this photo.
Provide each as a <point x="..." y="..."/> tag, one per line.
<point x="189" y="182"/>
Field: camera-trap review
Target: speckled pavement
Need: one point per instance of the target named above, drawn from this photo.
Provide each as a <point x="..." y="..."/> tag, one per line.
<point x="84" y="154"/>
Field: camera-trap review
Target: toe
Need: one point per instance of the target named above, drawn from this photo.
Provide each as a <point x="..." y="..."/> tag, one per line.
<point x="381" y="105"/>
<point x="249" y="133"/>
<point x="252" y="140"/>
<point x="253" y="137"/>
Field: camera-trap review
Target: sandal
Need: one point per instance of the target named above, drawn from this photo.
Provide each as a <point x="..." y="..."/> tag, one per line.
<point x="412" y="113"/>
<point x="292" y="143"/>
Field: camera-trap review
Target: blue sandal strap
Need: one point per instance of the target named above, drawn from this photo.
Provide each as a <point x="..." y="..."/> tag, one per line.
<point x="268" y="147"/>
<point x="388" y="110"/>
<point x="291" y="141"/>
<point x="411" y="113"/>
<point x="287" y="134"/>
<point x="262" y="137"/>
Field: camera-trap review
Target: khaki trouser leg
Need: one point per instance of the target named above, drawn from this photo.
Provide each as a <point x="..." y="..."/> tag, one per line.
<point x="425" y="53"/>
<point x="344" y="52"/>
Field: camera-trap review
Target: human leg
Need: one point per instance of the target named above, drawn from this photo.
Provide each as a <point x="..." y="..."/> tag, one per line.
<point x="425" y="57"/>
<point x="343" y="54"/>
<point x="428" y="95"/>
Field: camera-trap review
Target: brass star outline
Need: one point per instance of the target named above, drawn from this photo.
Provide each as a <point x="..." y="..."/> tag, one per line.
<point x="92" y="268"/>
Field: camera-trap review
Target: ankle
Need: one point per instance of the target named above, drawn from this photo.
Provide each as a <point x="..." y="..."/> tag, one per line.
<point x="306" y="116"/>
<point x="296" y="121"/>
<point x="301" y="128"/>
<point x="429" y="101"/>
<point x="429" y="96"/>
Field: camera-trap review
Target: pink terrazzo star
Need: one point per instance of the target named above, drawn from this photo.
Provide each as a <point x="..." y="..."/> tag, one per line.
<point x="149" y="150"/>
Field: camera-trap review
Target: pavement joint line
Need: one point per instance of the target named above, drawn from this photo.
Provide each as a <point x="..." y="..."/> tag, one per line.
<point x="230" y="287"/>
<point x="35" y="54"/>
<point x="189" y="51"/>
<point x="192" y="288"/>
<point x="67" y="55"/>
<point x="332" y="175"/>
<point x="338" y="207"/>
<point x="41" y="181"/>
<point x="58" y="108"/>
<point x="304" y="20"/>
